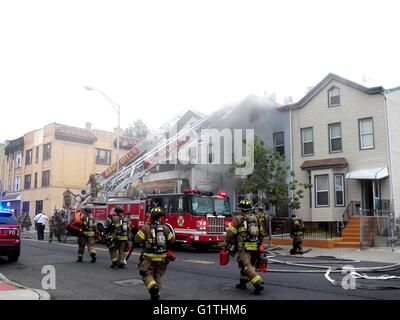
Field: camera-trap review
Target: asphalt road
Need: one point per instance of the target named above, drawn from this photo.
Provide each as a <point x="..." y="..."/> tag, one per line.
<point x="193" y="276"/>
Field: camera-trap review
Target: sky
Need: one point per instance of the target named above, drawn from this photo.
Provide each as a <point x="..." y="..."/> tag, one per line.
<point x="156" y="58"/>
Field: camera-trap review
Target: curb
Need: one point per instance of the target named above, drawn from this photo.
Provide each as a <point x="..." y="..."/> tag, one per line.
<point x="22" y="292"/>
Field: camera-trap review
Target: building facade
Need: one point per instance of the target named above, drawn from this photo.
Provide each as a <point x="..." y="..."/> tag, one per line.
<point x="341" y="145"/>
<point x="43" y="163"/>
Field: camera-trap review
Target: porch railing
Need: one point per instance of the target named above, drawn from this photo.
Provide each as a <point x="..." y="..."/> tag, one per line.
<point x="314" y="230"/>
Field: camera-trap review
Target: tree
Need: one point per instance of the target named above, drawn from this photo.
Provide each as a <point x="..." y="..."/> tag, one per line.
<point x="269" y="179"/>
<point x="137" y="129"/>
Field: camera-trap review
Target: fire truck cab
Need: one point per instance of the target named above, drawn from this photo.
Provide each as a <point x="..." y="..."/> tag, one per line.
<point x="198" y="218"/>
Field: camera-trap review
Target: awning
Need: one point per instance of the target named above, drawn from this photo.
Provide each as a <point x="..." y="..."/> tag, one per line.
<point x="369" y="174"/>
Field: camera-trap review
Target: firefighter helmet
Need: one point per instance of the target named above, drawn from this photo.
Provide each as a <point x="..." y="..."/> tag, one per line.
<point x="118" y="209"/>
<point x="156" y="213"/>
<point x="245" y="204"/>
<point x="87" y="210"/>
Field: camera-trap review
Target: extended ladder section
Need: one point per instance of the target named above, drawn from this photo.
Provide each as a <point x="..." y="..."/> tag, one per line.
<point x="158" y="150"/>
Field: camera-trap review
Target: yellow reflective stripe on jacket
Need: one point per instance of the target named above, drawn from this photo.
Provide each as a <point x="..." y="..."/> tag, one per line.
<point x="122" y="238"/>
<point x="251" y="246"/>
<point x="255" y="279"/>
<point x="242" y="229"/>
<point x="141" y="235"/>
<point x="155" y="256"/>
<point x="232" y="229"/>
<point x="89" y="233"/>
<point x="170" y="236"/>
<point x="151" y="284"/>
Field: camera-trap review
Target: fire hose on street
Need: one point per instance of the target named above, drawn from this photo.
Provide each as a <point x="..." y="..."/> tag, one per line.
<point x="330" y="265"/>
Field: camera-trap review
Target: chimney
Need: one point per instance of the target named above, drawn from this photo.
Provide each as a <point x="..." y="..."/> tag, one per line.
<point x="88" y="126"/>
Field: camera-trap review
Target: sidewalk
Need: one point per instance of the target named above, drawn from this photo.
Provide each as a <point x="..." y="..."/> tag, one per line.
<point x="383" y="255"/>
<point x="13" y="291"/>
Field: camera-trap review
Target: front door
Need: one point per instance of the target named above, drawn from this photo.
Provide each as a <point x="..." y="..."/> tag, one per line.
<point x="367" y="195"/>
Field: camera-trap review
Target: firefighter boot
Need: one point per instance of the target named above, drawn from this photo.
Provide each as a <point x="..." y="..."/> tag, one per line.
<point x="242" y="285"/>
<point x="79" y="259"/>
<point x="121" y="265"/>
<point x="155" y="292"/>
<point x="258" y="288"/>
<point x="93" y="255"/>
<point x="114" y="265"/>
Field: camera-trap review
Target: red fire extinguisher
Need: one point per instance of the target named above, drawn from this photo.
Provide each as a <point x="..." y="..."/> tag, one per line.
<point x="263" y="262"/>
<point x="223" y="257"/>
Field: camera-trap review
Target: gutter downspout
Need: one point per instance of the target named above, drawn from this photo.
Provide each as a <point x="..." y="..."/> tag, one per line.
<point x="392" y="213"/>
<point x="291" y="151"/>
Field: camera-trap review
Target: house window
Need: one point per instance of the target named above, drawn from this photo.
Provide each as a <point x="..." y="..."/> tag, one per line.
<point x="239" y="197"/>
<point x="18" y="160"/>
<point x="27" y="181"/>
<point x="47" y="151"/>
<point x="279" y="143"/>
<point x="339" y="190"/>
<point x="46" y="178"/>
<point x="103" y="157"/>
<point x="334" y="96"/>
<point x="17" y="183"/>
<point x="36" y="180"/>
<point x="307" y="141"/>
<point x="39" y="206"/>
<point x="322" y="191"/>
<point x="28" y="157"/>
<point x="37" y="155"/>
<point x="335" y="138"/>
<point x="366" y="130"/>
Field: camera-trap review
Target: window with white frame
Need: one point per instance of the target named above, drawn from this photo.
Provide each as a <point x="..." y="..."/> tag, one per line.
<point x="18" y="160"/>
<point x="322" y="191"/>
<point x="103" y="156"/>
<point x="334" y="96"/>
<point x="279" y="143"/>
<point x="239" y="197"/>
<point x="339" y="190"/>
<point x="335" y="137"/>
<point x="17" y="183"/>
<point x="307" y="141"/>
<point x="366" y="130"/>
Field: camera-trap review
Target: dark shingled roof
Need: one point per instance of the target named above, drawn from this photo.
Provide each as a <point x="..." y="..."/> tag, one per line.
<point x="324" y="82"/>
<point x="324" y="164"/>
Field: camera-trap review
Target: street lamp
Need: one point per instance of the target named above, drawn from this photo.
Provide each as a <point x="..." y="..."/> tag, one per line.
<point x="117" y="108"/>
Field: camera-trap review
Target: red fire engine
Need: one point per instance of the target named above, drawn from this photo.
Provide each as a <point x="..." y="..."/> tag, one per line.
<point x="197" y="218"/>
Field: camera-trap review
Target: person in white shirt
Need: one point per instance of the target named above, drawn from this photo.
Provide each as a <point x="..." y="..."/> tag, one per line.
<point x="40" y="220"/>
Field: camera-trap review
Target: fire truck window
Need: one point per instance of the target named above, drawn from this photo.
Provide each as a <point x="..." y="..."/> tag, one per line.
<point x="202" y="205"/>
<point x="221" y="206"/>
<point x="177" y="205"/>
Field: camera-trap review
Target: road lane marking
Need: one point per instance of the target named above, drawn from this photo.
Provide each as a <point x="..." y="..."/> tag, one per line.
<point x="198" y="261"/>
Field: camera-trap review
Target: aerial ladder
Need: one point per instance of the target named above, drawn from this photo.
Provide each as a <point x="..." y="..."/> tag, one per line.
<point x="147" y="154"/>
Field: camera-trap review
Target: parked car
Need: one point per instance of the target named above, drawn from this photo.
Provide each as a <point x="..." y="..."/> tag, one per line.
<point x="10" y="235"/>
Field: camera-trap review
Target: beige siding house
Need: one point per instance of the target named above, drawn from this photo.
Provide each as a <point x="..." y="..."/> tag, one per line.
<point x="393" y="114"/>
<point x="340" y="145"/>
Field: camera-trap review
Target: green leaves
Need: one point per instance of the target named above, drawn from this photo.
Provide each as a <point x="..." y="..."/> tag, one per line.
<point x="269" y="178"/>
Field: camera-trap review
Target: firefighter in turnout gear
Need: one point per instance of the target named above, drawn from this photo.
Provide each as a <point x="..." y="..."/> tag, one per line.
<point x="296" y="232"/>
<point x="88" y="235"/>
<point x="117" y="233"/>
<point x="53" y="225"/>
<point x="246" y="233"/>
<point x="157" y="238"/>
